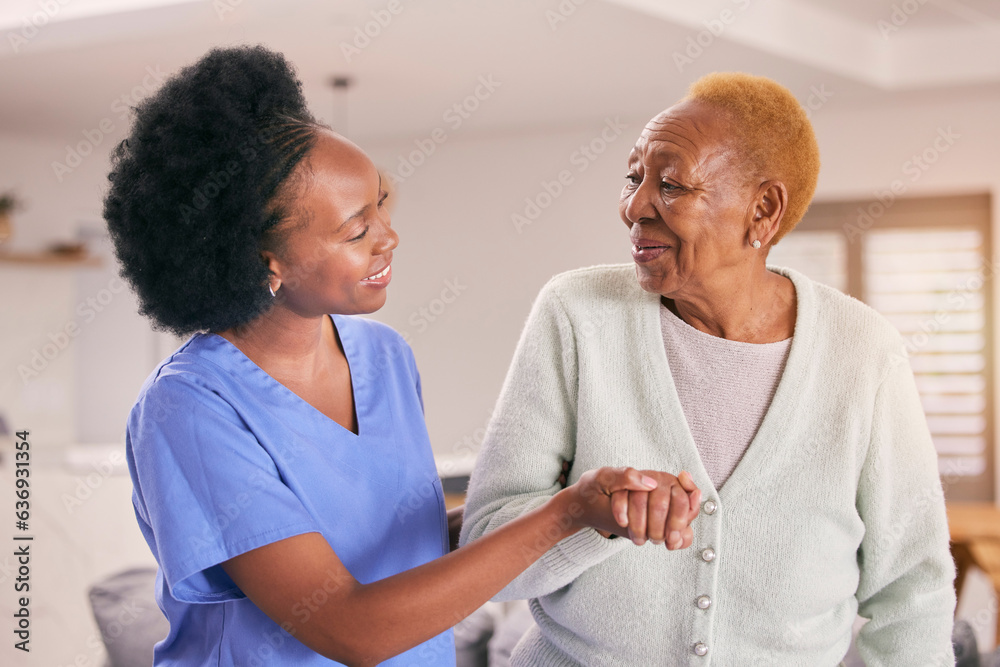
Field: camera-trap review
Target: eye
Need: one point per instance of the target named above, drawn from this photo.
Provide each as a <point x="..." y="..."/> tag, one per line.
<point x="633" y="179"/>
<point x="361" y="235"/>
<point x="670" y="187"/>
<point x="381" y="200"/>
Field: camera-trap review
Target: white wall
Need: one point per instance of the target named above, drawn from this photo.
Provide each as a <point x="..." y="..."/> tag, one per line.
<point x="38" y="301"/>
<point x="74" y="352"/>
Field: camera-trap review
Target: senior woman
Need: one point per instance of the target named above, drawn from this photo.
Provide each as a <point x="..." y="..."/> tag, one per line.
<point x="791" y="403"/>
<point x="282" y="471"/>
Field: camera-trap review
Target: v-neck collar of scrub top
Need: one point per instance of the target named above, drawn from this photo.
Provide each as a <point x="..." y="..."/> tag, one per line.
<point x="351" y="352"/>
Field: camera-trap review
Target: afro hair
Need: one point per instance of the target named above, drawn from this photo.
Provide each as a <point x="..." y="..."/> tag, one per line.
<point x="772" y="131"/>
<point x="200" y="186"/>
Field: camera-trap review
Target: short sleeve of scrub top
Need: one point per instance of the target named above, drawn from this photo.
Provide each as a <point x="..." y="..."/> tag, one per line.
<point x="224" y="459"/>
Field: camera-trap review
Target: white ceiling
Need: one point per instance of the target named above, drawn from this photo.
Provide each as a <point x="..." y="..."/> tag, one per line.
<point x="603" y="58"/>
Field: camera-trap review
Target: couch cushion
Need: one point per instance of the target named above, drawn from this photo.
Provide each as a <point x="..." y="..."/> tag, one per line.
<point x="130" y="622"/>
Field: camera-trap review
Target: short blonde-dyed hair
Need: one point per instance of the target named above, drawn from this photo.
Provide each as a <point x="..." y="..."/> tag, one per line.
<point x="772" y="131"/>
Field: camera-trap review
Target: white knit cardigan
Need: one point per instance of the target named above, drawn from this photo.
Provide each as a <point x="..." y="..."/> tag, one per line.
<point x="836" y="509"/>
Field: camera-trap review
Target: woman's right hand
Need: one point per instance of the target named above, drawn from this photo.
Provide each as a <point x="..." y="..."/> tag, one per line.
<point x="641" y="505"/>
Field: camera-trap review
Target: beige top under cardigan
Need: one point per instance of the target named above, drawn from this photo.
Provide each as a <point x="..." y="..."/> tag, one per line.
<point x="725" y="388"/>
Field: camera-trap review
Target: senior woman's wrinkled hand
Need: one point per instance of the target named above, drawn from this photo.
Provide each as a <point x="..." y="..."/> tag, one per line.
<point x="642" y="505"/>
<point x="663" y="515"/>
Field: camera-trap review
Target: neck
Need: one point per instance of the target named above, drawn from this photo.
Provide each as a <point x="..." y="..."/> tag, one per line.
<point x="752" y="305"/>
<point x="284" y="343"/>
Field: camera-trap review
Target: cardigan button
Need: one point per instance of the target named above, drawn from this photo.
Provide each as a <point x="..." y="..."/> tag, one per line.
<point x="708" y="554"/>
<point x="700" y="649"/>
<point x="710" y="507"/>
<point x="704" y="602"/>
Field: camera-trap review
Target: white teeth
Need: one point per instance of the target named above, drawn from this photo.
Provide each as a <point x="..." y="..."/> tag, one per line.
<point x="378" y="275"/>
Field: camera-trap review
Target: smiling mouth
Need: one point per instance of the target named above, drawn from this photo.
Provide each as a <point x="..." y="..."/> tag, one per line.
<point x="646" y="250"/>
<point x="378" y="275"/>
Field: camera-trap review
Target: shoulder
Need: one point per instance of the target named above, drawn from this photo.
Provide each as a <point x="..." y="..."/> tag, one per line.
<point x="593" y="285"/>
<point x="198" y="372"/>
<point x="846" y="324"/>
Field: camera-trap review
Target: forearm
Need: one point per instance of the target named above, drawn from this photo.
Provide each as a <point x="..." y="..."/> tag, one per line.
<point x="910" y="624"/>
<point x="385" y="618"/>
<point x="403" y="611"/>
<point x="558" y="567"/>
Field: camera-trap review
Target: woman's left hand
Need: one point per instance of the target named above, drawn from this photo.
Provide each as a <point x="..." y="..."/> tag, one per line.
<point x="564" y="475"/>
<point x="455" y="515"/>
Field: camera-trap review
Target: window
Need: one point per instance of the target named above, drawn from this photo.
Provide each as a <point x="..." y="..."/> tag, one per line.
<point x="925" y="265"/>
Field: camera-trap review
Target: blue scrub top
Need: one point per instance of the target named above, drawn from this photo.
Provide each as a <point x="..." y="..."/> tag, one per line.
<point x="225" y="459"/>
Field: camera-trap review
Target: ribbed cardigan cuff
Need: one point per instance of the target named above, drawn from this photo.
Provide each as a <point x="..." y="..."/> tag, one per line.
<point x="578" y="552"/>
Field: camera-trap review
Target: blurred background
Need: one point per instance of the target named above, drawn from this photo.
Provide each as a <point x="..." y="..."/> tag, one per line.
<point x="504" y="128"/>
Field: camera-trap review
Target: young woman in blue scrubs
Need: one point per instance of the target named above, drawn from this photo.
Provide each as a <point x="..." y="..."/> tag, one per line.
<point x="283" y="476"/>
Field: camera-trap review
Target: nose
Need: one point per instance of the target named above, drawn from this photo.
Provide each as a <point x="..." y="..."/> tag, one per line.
<point x="388" y="239"/>
<point x="638" y="206"/>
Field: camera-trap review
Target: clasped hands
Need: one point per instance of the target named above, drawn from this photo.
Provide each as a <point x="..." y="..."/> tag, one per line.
<point x="642" y="505"/>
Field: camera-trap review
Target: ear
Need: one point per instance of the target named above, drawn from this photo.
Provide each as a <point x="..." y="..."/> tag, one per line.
<point x="274" y="266"/>
<point x="767" y="210"/>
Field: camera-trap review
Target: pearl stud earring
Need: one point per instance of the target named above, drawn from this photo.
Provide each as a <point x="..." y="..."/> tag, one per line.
<point x="756" y="244"/>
